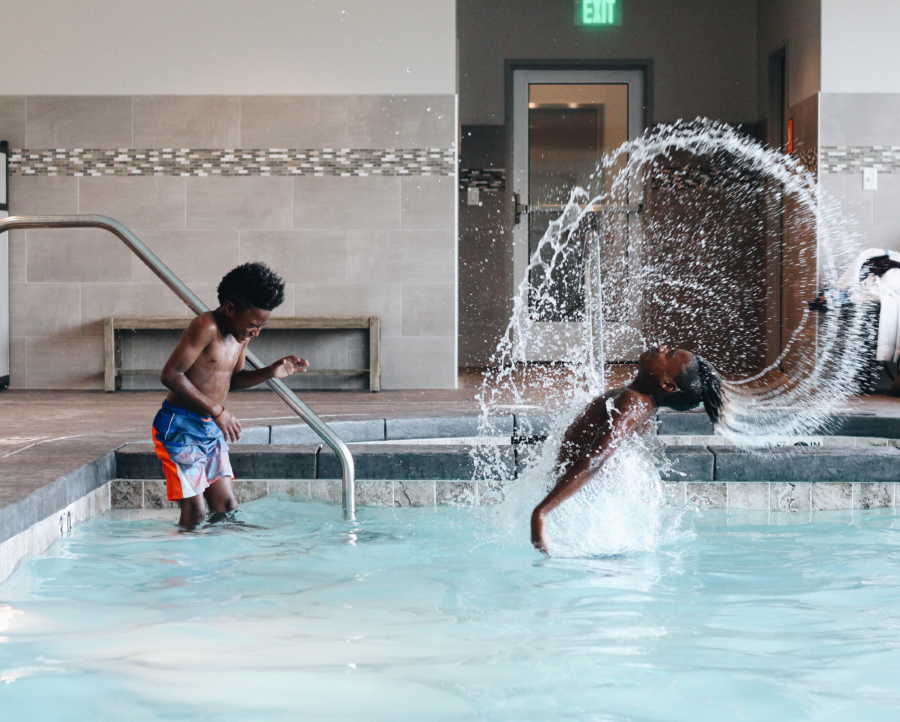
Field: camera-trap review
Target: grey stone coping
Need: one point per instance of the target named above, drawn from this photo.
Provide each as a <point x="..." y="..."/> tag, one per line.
<point x="24" y="512"/>
<point x="696" y="423"/>
<point x="348" y="431"/>
<point x="690" y="463"/>
<point x="270" y="461"/>
<point x="260" y="461"/>
<point x="398" y="461"/>
<point x="427" y="427"/>
<point x="881" y="463"/>
<point x="884" y="427"/>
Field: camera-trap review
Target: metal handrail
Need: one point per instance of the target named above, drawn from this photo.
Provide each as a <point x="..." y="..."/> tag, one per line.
<point x="197" y="306"/>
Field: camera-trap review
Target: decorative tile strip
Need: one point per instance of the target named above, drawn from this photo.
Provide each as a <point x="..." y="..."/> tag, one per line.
<point x="233" y="162"/>
<point x="490" y="180"/>
<point x="853" y="158"/>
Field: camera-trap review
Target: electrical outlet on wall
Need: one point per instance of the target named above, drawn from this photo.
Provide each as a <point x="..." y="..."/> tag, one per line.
<point x="870" y="179"/>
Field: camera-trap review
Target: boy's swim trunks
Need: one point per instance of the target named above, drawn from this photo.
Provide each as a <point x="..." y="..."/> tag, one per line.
<point x="192" y="449"/>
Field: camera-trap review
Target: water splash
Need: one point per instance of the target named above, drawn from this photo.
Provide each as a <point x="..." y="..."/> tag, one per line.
<point x="677" y="238"/>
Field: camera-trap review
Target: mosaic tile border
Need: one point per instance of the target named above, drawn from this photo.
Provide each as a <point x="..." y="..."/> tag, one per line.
<point x="233" y="162"/>
<point x="853" y="158"/>
<point x="489" y="180"/>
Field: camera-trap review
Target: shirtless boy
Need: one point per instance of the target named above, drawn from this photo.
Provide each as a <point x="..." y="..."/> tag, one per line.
<point x="666" y="377"/>
<point x="192" y="429"/>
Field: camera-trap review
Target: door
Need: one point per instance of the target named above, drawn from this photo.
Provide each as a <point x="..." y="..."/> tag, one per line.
<point x="564" y="121"/>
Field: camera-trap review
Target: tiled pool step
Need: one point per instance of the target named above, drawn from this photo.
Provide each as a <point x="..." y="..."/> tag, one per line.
<point x="752" y="495"/>
<point x="876" y="464"/>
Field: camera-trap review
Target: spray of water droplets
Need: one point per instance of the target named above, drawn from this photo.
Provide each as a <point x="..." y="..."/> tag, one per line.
<point x="692" y="235"/>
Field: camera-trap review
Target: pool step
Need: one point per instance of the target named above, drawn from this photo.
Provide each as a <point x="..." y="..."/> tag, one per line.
<point x="451" y="462"/>
<point x="383" y="461"/>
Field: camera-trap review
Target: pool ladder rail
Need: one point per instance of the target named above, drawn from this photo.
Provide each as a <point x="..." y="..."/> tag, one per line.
<point x="165" y="274"/>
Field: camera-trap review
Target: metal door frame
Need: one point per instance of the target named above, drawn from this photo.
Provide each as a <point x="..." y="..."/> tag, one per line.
<point x="519" y="74"/>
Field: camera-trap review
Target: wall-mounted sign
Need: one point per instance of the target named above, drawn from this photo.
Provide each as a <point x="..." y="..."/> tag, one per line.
<point x="598" y="12"/>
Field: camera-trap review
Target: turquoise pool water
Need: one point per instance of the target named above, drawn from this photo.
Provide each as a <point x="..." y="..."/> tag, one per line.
<point x="427" y="615"/>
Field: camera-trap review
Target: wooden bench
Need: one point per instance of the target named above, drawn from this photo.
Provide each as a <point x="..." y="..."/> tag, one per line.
<point x="114" y="324"/>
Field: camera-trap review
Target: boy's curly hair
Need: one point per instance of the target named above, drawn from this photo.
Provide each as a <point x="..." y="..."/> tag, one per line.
<point x="252" y="285"/>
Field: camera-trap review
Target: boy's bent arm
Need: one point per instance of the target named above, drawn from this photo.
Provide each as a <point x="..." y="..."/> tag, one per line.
<point x="245" y="378"/>
<point x="196" y="337"/>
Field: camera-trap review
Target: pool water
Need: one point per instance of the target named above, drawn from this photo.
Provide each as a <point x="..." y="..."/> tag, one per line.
<point x="428" y="614"/>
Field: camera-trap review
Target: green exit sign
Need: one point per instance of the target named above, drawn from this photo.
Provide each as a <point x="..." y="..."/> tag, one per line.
<point x="599" y="12"/>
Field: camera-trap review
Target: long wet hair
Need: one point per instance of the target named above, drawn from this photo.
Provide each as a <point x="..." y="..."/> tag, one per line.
<point x="699" y="383"/>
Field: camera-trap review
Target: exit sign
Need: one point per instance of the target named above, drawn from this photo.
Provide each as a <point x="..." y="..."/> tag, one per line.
<point x="599" y="12"/>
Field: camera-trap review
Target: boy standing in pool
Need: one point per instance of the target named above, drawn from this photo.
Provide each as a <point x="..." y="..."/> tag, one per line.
<point x="192" y="429"/>
<point x="666" y="377"/>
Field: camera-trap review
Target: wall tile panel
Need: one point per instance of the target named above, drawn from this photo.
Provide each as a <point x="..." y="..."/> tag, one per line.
<point x="77" y="255"/>
<point x="194" y="256"/>
<point x="860" y="118"/>
<point x="335" y="202"/>
<point x="45" y="309"/>
<point x="423" y="256"/>
<point x="299" y="256"/>
<point x="401" y="121"/>
<point x="382" y="300"/>
<point x="415" y="363"/>
<point x="79" y="121"/>
<point x="187" y="121"/>
<point x="428" y="310"/>
<point x="83" y="367"/>
<point x="312" y="121"/>
<point x="18" y="362"/>
<point x="34" y="195"/>
<point x="18" y="256"/>
<point x="13" y="118"/>
<point x="428" y="202"/>
<point x="251" y="203"/>
<point x="139" y="203"/>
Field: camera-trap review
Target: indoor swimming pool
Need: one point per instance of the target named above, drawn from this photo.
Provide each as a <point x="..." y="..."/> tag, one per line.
<point x="446" y="614"/>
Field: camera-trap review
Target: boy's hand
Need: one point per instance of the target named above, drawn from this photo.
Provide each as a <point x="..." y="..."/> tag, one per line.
<point x="288" y="366"/>
<point x="229" y="424"/>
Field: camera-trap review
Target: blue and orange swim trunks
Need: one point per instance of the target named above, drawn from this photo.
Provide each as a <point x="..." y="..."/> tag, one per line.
<point x="192" y="449"/>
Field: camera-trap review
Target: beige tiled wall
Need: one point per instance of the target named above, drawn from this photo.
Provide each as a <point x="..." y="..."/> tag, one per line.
<point x="855" y="122"/>
<point x="345" y="245"/>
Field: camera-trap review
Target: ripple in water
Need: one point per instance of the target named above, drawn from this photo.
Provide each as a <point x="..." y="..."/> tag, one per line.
<point x="677" y="238"/>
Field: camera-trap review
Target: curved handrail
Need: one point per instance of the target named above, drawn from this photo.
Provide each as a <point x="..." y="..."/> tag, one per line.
<point x="197" y="306"/>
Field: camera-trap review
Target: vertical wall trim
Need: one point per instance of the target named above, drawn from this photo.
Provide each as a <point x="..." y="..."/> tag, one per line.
<point x="455" y="232"/>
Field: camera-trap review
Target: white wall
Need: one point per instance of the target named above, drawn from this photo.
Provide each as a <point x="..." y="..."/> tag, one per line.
<point x="134" y="47"/>
<point x="704" y="51"/>
<point x="859" y="46"/>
